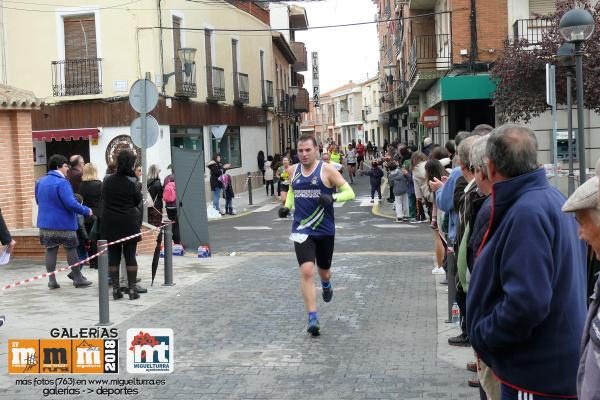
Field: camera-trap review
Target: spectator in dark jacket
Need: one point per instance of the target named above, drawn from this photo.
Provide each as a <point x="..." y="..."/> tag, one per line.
<point x="216" y="170"/>
<point x="75" y="171"/>
<point x="6" y="240"/>
<point x="91" y="191"/>
<point x="375" y="176"/>
<point x="121" y="218"/>
<point x="5" y="236"/>
<point x="57" y="219"/>
<point x="155" y="190"/>
<point x="584" y="203"/>
<point x="260" y="160"/>
<point x="526" y="304"/>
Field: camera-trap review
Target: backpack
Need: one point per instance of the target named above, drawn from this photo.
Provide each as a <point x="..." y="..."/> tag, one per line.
<point x="169" y="193"/>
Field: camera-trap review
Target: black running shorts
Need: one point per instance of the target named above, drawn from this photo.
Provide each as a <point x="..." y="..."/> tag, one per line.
<point x="284" y="187"/>
<point x="319" y="248"/>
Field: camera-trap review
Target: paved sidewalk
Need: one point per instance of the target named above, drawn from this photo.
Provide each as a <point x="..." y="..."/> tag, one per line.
<point x="33" y="309"/>
<point x="241" y="203"/>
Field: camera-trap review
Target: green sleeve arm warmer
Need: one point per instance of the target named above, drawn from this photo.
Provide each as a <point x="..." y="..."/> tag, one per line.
<point x="345" y="193"/>
<point x="289" y="200"/>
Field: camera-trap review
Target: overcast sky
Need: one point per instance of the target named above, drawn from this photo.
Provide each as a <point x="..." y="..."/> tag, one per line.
<point x="345" y="53"/>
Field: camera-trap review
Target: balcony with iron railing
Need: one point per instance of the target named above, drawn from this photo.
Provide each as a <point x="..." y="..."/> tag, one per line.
<point x="185" y="83"/>
<point x="243" y="90"/>
<point x="344" y="115"/>
<point x="267" y="93"/>
<point x="429" y="56"/>
<point x="76" y="77"/>
<point x="216" y="86"/>
<point x="532" y="30"/>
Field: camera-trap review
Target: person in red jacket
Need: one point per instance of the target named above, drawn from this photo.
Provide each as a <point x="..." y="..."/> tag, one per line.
<point x="360" y="151"/>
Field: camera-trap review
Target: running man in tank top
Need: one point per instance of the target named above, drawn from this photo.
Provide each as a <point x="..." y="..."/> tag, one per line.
<point x="312" y="192"/>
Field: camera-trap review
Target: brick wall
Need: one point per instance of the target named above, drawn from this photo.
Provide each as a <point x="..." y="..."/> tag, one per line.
<point x="16" y="158"/>
<point x="492" y="17"/>
<point x="29" y="248"/>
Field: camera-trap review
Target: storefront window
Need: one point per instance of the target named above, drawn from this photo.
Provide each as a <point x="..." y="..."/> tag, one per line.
<point x="187" y="138"/>
<point x="229" y="147"/>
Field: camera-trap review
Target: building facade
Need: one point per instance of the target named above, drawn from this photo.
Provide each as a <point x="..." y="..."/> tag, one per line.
<point x="435" y="57"/>
<point x="210" y="77"/>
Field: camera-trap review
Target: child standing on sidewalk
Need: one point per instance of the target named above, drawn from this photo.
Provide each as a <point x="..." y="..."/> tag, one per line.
<point x="227" y="193"/>
<point x="375" y="176"/>
<point x="399" y="183"/>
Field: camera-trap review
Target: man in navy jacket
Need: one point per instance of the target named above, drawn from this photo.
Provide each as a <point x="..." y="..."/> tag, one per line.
<point x="526" y="305"/>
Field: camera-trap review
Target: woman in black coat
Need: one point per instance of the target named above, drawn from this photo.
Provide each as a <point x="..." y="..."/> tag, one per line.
<point x="90" y="189"/>
<point x="155" y="190"/>
<point x="216" y="170"/>
<point x="120" y="218"/>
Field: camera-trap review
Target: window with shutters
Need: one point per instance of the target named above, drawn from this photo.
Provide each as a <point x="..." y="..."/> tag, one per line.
<point x="541" y="7"/>
<point x="81" y="71"/>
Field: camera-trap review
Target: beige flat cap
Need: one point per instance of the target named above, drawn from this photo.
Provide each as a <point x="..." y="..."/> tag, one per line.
<point x="585" y="197"/>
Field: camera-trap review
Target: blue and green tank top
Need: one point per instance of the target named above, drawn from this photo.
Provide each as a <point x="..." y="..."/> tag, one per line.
<point x="309" y="217"/>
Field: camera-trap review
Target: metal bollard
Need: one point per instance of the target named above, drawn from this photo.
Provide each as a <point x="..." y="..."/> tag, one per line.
<point x="169" y="256"/>
<point x="249" y="188"/>
<point x="103" y="285"/>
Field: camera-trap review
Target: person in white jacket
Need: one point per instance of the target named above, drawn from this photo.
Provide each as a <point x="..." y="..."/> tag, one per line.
<point x="269" y="176"/>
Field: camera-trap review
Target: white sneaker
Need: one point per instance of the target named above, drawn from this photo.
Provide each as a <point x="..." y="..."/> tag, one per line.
<point x="438" y="271"/>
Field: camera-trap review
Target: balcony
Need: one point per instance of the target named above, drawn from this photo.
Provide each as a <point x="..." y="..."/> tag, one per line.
<point x="344" y="116"/>
<point x="243" y="92"/>
<point x="532" y="30"/>
<point x="302" y="101"/>
<point x="186" y="86"/>
<point x="430" y="56"/>
<point x="216" y="86"/>
<point x="267" y="93"/>
<point x="299" y="50"/>
<point x="283" y="102"/>
<point x="77" y="77"/>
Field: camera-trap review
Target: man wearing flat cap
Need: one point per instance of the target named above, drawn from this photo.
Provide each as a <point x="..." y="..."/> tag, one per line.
<point x="584" y="203"/>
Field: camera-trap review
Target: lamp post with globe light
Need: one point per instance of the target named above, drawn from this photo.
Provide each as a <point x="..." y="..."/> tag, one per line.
<point x="576" y="26"/>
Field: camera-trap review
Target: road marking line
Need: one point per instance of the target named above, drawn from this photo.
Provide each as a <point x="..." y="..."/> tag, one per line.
<point x="266" y="207"/>
<point x="357" y="212"/>
<point x="252" y="228"/>
<point x="366" y="203"/>
<point x="395" y="226"/>
<point x="348" y="253"/>
<point x="338" y="205"/>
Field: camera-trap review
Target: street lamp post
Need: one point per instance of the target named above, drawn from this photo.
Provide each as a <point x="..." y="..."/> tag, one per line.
<point x="576" y="26"/>
<point x="565" y="55"/>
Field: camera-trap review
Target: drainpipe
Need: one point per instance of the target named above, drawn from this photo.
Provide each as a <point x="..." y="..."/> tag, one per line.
<point x="473" y="21"/>
<point x="161" y="48"/>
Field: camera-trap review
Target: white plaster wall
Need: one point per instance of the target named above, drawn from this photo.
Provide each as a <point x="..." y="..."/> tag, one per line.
<point x="280" y="18"/>
<point x="159" y="154"/>
<point x="517" y="9"/>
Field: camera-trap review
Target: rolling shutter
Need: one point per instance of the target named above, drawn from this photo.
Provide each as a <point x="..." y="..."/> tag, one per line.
<point x="541" y="7"/>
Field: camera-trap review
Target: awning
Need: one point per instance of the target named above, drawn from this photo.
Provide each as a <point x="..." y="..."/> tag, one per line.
<point x="66" y="134"/>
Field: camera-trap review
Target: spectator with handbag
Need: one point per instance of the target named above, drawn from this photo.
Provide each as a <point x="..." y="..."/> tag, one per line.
<point x="90" y="189"/>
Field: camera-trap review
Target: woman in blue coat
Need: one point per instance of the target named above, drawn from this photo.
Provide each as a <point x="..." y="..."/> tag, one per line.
<point x="57" y="219"/>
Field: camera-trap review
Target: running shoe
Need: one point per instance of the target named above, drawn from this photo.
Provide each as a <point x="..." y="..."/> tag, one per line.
<point x="313" y="326"/>
<point x="328" y="293"/>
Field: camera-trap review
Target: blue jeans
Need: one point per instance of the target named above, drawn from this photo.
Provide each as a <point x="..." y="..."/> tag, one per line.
<point x="216" y="196"/>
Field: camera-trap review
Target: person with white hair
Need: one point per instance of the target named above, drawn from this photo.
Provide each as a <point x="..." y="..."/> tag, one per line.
<point x="584" y="203"/>
<point x="427" y="146"/>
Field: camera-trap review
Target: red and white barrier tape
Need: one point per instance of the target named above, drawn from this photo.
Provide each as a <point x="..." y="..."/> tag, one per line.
<point x="47" y="274"/>
<point x="248" y="178"/>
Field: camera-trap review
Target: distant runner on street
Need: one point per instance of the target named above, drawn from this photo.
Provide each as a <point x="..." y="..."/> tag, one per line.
<point x="312" y="193"/>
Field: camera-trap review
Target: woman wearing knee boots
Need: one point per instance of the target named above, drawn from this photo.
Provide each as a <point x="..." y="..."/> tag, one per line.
<point x="57" y="219"/>
<point x="120" y="218"/>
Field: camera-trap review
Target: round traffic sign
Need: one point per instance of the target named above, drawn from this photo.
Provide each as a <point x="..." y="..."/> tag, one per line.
<point x="136" y="96"/>
<point x="151" y="131"/>
<point x="430" y="118"/>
